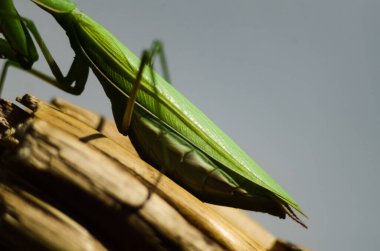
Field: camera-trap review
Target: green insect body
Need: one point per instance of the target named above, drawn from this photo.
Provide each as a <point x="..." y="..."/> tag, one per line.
<point x="166" y="128"/>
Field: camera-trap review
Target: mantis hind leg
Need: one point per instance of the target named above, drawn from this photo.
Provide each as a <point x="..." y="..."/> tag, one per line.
<point x="147" y="60"/>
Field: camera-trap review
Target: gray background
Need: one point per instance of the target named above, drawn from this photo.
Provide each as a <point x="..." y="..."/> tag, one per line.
<point x="295" y="83"/>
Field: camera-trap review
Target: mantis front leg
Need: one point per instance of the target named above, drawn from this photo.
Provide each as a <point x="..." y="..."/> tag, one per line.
<point x="23" y="55"/>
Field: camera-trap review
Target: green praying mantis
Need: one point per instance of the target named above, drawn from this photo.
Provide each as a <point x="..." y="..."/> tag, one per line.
<point x="165" y="127"/>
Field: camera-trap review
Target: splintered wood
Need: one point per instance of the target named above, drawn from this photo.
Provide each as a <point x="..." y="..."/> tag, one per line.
<point x="66" y="186"/>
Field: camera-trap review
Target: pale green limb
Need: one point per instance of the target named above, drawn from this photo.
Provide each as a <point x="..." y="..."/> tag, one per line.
<point x="72" y="83"/>
<point x="147" y="59"/>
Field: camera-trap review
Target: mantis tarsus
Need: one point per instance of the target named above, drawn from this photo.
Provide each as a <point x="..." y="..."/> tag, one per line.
<point x="164" y="126"/>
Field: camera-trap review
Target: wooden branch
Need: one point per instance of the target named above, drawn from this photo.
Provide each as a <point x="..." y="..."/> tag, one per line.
<point x="94" y="193"/>
<point x="30" y="224"/>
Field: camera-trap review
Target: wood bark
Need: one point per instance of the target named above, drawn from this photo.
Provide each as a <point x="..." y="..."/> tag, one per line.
<point x="70" y="181"/>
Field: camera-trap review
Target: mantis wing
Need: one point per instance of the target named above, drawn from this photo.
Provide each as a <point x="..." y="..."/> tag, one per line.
<point x="163" y="100"/>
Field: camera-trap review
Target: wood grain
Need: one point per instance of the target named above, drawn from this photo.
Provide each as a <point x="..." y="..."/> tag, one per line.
<point x="108" y="198"/>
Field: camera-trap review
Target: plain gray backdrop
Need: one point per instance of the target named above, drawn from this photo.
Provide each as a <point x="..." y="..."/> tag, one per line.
<point x="295" y="83"/>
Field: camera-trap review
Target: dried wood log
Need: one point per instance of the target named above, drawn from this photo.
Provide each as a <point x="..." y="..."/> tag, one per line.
<point x="30" y="224"/>
<point x="235" y="216"/>
<point x="118" y="201"/>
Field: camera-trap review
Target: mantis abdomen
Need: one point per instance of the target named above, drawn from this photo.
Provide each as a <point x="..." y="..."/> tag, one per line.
<point x="194" y="170"/>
